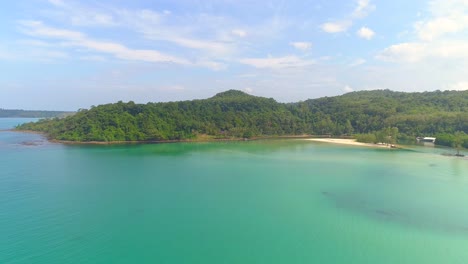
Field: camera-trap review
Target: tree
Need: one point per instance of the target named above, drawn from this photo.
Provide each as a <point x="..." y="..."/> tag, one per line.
<point x="348" y="129"/>
<point x="393" y="135"/>
<point x="458" y="141"/>
<point x="384" y="114"/>
<point x="381" y="136"/>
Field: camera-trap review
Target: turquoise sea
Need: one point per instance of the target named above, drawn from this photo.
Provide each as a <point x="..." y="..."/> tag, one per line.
<point x="277" y="201"/>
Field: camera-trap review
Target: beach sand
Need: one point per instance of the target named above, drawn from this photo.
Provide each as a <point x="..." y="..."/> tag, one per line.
<point x="351" y="142"/>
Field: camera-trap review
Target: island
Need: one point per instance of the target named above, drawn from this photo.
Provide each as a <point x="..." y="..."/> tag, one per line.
<point x="368" y="116"/>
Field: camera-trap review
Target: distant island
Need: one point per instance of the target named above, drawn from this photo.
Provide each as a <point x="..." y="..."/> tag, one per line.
<point x="366" y="115"/>
<point x="32" y="113"/>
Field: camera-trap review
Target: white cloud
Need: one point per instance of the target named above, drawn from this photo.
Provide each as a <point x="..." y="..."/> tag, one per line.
<point x="363" y="8"/>
<point x="207" y="45"/>
<point x="304" y="46"/>
<point x="156" y="25"/>
<point x="203" y="38"/>
<point x="418" y="51"/>
<point x="440" y="36"/>
<point x="239" y="33"/>
<point x="405" y="52"/>
<point x="459" y="86"/>
<point x="347" y="89"/>
<point x="78" y="39"/>
<point x="336" y="27"/>
<point x="122" y="52"/>
<point x="82" y="16"/>
<point x="365" y="33"/>
<point x="277" y="63"/>
<point x="443" y="7"/>
<point x="217" y="42"/>
<point x="437" y="27"/>
<point x="37" y="28"/>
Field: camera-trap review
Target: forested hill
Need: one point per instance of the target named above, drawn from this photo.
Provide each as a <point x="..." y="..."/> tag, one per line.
<point x="237" y="114"/>
<point x="413" y="113"/>
<point x="32" y="113"/>
<point x="228" y="114"/>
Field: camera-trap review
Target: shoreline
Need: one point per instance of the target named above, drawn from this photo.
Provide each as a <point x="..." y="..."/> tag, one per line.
<point x="204" y="138"/>
<point x="201" y="138"/>
<point x="195" y="140"/>
<point x="350" y="142"/>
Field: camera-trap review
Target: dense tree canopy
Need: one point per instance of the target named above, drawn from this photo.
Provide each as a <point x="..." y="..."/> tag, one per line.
<point x="228" y="114"/>
<point x="237" y="114"/>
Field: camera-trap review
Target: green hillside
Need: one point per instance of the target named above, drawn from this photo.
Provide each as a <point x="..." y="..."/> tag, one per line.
<point x="234" y="114"/>
<point x="413" y="113"/>
<point x="228" y="114"/>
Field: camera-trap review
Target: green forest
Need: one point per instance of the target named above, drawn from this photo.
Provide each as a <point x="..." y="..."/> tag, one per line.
<point x="234" y="114"/>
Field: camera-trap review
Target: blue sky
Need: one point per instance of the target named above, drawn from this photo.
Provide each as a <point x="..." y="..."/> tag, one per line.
<point x="65" y="55"/>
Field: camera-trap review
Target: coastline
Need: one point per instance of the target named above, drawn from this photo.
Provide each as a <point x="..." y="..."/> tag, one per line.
<point x="350" y="142"/>
<point x="200" y="138"/>
<point x="194" y="140"/>
<point x="206" y="138"/>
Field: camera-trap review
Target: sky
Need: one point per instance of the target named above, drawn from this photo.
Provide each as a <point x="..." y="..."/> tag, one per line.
<point x="66" y="55"/>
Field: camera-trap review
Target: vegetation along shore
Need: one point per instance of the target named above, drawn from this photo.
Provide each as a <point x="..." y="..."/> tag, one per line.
<point x="370" y="116"/>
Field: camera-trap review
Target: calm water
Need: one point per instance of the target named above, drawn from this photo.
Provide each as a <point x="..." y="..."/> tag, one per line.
<point x="287" y="201"/>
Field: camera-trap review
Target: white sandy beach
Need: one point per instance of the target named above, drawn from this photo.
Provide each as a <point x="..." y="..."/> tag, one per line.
<point x="343" y="141"/>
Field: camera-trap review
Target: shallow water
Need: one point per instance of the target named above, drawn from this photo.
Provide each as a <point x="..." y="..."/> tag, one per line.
<point x="277" y="201"/>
